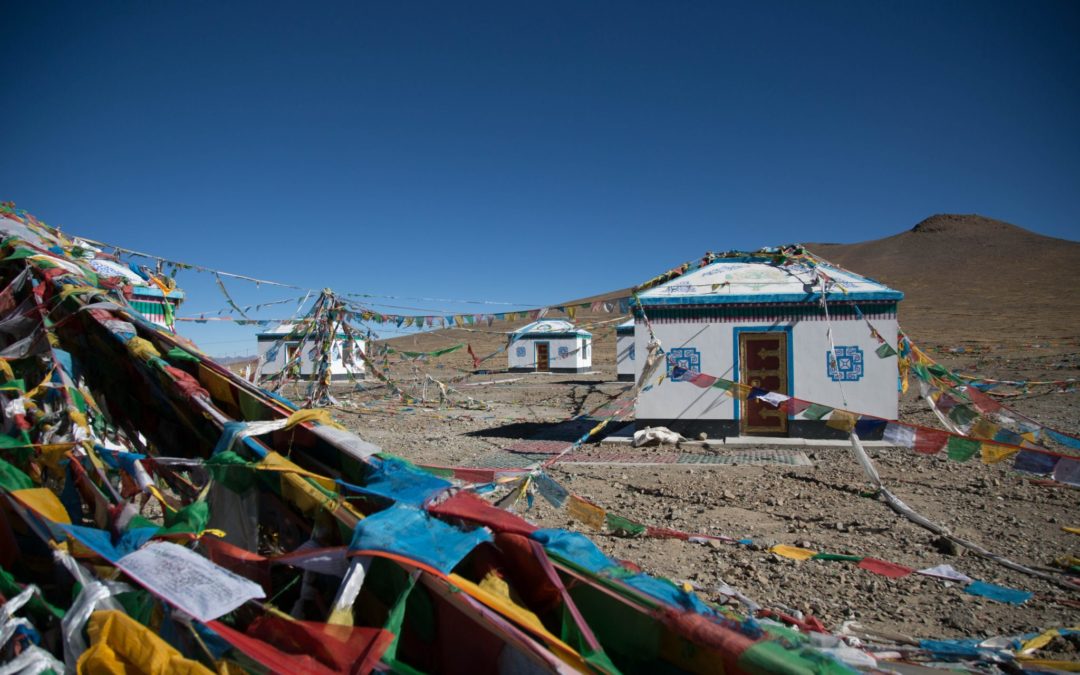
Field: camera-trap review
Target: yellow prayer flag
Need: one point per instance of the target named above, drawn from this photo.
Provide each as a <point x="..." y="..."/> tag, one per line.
<point x="321" y="415"/>
<point x="984" y="428"/>
<point x="524" y="617"/>
<point x="1039" y="641"/>
<point x="992" y="453"/>
<point x="842" y="420"/>
<point x="738" y="391"/>
<point x="793" y="552"/>
<point x="52" y="454"/>
<point x="43" y="502"/>
<point x="1071" y="530"/>
<point x="591" y="515"/>
<point x="1048" y="665"/>
<point x="217" y="385"/>
<point x="120" y="644"/>
<point x="142" y="348"/>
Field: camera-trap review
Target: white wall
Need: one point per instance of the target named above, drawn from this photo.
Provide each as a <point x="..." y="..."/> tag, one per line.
<point x="522" y="353"/>
<point x="875" y="393"/>
<point x="625" y="355"/>
<point x="337" y="365"/>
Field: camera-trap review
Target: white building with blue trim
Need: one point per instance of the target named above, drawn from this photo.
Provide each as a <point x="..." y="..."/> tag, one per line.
<point x="625" y="351"/>
<point x="282" y="343"/>
<point x="752" y="320"/>
<point x="549" y="345"/>
<point x="156" y="302"/>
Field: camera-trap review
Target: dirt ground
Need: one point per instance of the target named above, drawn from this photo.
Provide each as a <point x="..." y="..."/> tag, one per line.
<point x="823" y="507"/>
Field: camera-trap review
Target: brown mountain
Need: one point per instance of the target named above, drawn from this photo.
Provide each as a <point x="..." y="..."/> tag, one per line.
<point x="972" y="278"/>
<point x="966" y="279"/>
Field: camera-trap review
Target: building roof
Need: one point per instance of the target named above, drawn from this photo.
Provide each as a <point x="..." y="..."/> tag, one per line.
<point x="550" y="328"/>
<point x="286" y="327"/>
<point x="752" y="279"/>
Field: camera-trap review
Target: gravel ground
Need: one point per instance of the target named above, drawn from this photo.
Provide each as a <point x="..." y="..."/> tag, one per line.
<point x="823" y="507"/>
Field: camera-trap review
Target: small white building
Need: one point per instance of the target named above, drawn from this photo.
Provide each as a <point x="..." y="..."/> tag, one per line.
<point x="550" y="346"/>
<point x="279" y="345"/>
<point x="625" y="351"/>
<point x="157" y="302"/>
<point x="762" y="324"/>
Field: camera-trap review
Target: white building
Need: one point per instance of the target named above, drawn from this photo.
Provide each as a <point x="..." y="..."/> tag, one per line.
<point x="625" y="351"/>
<point x="279" y="345"/>
<point x="749" y="320"/>
<point x="155" y="301"/>
<point x="550" y="346"/>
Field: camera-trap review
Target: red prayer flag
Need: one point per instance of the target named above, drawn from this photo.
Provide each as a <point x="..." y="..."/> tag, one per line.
<point x="885" y="568"/>
<point x="702" y="380"/>
<point x="930" y="441"/>
<point x="307" y="647"/>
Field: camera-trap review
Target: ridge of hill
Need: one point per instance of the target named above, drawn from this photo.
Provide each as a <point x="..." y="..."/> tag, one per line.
<point x="971" y="278"/>
<point x="966" y="278"/>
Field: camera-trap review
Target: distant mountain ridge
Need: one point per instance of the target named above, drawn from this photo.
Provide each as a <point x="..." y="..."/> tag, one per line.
<point x="966" y="278"/>
<point x="970" y="277"/>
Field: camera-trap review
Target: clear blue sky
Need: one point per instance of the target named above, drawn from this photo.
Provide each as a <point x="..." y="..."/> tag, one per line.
<point x="527" y="152"/>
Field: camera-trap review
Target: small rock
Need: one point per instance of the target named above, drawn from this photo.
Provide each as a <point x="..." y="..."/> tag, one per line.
<point x="947" y="546"/>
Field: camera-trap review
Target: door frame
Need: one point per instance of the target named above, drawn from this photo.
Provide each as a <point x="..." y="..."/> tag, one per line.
<point x="536" y="356"/>
<point x="788" y="365"/>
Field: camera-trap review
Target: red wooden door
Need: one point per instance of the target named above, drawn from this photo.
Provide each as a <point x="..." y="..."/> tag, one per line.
<point x="763" y="364"/>
<point x="542" y="357"/>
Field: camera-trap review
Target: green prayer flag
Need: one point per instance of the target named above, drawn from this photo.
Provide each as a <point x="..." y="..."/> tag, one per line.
<point x="179" y="354"/>
<point x="623" y="527"/>
<point x="816" y="411"/>
<point x="20" y="253"/>
<point x="837" y="556"/>
<point x="394" y="619"/>
<point x="192" y="518"/>
<point x="11" y="478"/>
<point x="232" y="471"/>
<point x="962" y="414"/>
<point x="961" y="449"/>
<point x="885" y="351"/>
<point x="19" y="385"/>
<point x="38" y="607"/>
<point x="920" y="371"/>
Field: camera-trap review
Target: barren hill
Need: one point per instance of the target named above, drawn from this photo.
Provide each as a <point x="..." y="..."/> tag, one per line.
<point x="486" y="340"/>
<point x="972" y="278"/>
<point x="966" y="279"/>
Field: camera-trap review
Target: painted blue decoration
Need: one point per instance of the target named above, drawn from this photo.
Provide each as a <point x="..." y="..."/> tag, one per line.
<point x="630" y="353"/>
<point x="683" y="363"/>
<point x="520" y="351"/>
<point x="848" y="364"/>
<point x="564" y="352"/>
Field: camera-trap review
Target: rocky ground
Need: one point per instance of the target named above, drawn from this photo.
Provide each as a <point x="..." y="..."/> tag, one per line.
<point x="824" y="507"/>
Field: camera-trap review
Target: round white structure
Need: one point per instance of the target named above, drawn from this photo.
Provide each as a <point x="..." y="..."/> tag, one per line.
<point x="554" y="346"/>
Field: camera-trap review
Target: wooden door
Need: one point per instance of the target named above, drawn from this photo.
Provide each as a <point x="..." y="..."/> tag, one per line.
<point x="763" y="359"/>
<point x="542" y="357"/>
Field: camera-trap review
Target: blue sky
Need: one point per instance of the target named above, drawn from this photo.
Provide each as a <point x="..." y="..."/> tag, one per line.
<point x="526" y="152"/>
